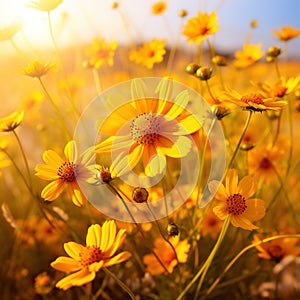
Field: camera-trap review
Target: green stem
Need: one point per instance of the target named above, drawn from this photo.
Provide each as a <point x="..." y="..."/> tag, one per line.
<point x="209" y="91"/>
<point x="202" y="272"/>
<point x="120" y="283"/>
<point x="277" y="67"/>
<point x="244" y="250"/>
<point x="24" y="158"/>
<point x="240" y="141"/>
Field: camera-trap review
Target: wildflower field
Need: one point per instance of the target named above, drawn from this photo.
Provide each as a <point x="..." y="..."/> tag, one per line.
<point x="149" y="168"/>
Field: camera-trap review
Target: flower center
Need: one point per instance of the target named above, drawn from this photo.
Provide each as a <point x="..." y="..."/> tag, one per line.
<point x="265" y="164"/>
<point x="89" y="255"/>
<point x="280" y="91"/>
<point x="145" y="128"/>
<point x="67" y="171"/>
<point x="252" y="98"/>
<point x="236" y="204"/>
<point x="276" y="252"/>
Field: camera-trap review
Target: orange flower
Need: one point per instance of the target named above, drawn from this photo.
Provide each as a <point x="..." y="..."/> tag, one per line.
<point x="159" y="8"/>
<point x="200" y="27"/>
<point x="234" y="199"/>
<point x="38" y="69"/>
<point x="286" y="33"/>
<point x="277" y="249"/>
<point x="102" y="243"/>
<point x="11" y="122"/>
<point x="44" y="5"/>
<point x="248" y="55"/>
<point x="101" y="53"/>
<point x="149" y="53"/>
<point x="166" y="254"/>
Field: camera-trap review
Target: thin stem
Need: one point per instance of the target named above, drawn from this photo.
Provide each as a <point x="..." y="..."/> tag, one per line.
<point x="120" y="283"/>
<point x="97" y="80"/>
<point x="56" y="109"/>
<point x="24" y="158"/>
<point x="240" y="141"/>
<point x="277" y="67"/>
<point x="211" y="48"/>
<point x="277" y="129"/>
<point x="291" y="133"/>
<point x="244" y="250"/>
<point x="209" y="91"/>
<point x="19" y="50"/>
<point x="208" y="262"/>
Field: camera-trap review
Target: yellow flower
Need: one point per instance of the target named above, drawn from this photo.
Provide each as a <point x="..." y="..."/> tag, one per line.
<point x="248" y="55"/>
<point x="233" y="199"/>
<point x="254" y="101"/>
<point x="280" y="88"/>
<point x="166" y="254"/>
<point x="286" y="33"/>
<point x="149" y="53"/>
<point x="152" y="127"/>
<point x="277" y="249"/>
<point x="102" y="244"/>
<point x="64" y="172"/>
<point x="37" y="69"/>
<point x="101" y="53"/>
<point x="44" y="5"/>
<point x="159" y="8"/>
<point x="7" y="33"/>
<point x="200" y="27"/>
<point x="12" y="121"/>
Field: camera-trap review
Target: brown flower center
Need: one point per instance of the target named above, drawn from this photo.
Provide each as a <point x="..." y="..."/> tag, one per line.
<point x="145" y="128"/>
<point x="280" y="91"/>
<point x="252" y="98"/>
<point x="276" y="252"/>
<point x="68" y="172"/>
<point x="90" y="255"/>
<point x="236" y="204"/>
<point x="265" y="164"/>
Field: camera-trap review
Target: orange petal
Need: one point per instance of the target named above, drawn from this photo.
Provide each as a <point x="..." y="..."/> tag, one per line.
<point x="73" y="249"/>
<point x="231" y="181"/>
<point x="53" y="190"/>
<point x="247" y="187"/>
<point x="117" y="259"/>
<point x="255" y="209"/>
<point x="94" y="234"/>
<point x="51" y="158"/>
<point x="241" y="221"/>
<point x="71" y="151"/>
<point x="66" y="264"/>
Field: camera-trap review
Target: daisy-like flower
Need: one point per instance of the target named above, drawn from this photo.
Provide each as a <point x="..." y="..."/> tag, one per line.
<point x="149" y="53"/>
<point x="277" y="249"/>
<point x="254" y="101"/>
<point x="233" y="199"/>
<point x="166" y="255"/>
<point x="102" y="243"/>
<point x="37" y="69"/>
<point x="284" y="86"/>
<point x="249" y="55"/>
<point x="159" y="8"/>
<point x="150" y="128"/>
<point x="65" y="172"/>
<point x="7" y="33"/>
<point x="44" y="5"/>
<point x="101" y="53"/>
<point x="200" y="27"/>
<point x="286" y="33"/>
<point x="12" y="121"/>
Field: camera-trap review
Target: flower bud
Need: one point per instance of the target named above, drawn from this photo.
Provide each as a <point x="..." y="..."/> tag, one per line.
<point x="115" y="5"/>
<point x="140" y="195"/>
<point x="192" y="68"/>
<point x="204" y="73"/>
<point x="172" y="229"/>
<point x="219" y="60"/>
<point x="104" y="175"/>
<point x="297" y="94"/>
<point x="220" y="111"/>
<point x="274" y="51"/>
<point x="182" y="13"/>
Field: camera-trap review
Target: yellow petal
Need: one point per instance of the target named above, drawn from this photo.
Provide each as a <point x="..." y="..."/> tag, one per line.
<point x="96" y="266"/>
<point x="53" y="190"/>
<point x="76" y="279"/>
<point x="66" y="264"/>
<point x="189" y="125"/>
<point x="164" y="93"/>
<point x="216" y="188"/>
<point x="51" y="158"/>
<point x="46" y="172"/>
<point x="241" y="221"/>
<point x="154" y="162"/>
<point x="73" y="249"/>
<point x="117" y="243"/>
<point x="174" y="147"/>
<point x="246" y="187"/>
<point x="181" y="102"/>
<point x="231" y="182"/>
<point x="71" y="151"/>
<point x="255" y="209"/>
<point x="117" y="259"/>
<point x="77" y="196"/>
<point x="221" y="211"/>
<point x="93" y="237"/>
<point x="108" y="235"/>
<point x="114" y="143"/>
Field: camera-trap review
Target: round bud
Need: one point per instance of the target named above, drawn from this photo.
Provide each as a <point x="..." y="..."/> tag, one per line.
<point x="140" y="195"/>
<point x="192" y="68"/>
<point x="204" y="73"/>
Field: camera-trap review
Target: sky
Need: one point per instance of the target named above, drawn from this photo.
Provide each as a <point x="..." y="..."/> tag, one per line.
<point x="78" y="21"/>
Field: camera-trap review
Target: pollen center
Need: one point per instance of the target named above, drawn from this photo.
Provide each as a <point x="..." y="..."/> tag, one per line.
<point x="253" y="98"/>
<point x="236" y="204"/>
<point x="90" y="255"/>
<point x="67" y="171"/>
<point x="145" y="128"/>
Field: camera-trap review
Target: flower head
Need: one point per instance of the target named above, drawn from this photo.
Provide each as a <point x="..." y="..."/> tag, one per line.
<point x="166" y="255"/>
<point x="37" y="69"/>
<point x="101" y="53"/>
<point x="12" y="121"/>
<point x="233" y="199"/>
<point x="149" y="53"/>
<point x="200" y="27"/>
<point x="150" y="128"/>
<point x="286" y="33"/>
<point x="44" y="5"/>
<point x="254" y="101"/>
<point x="159" y="8"/>
<point x="7" y="33"/>
<point x="99" y="252"/>
<point x="64" y="172"/>
<point x="248" y="55"/>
